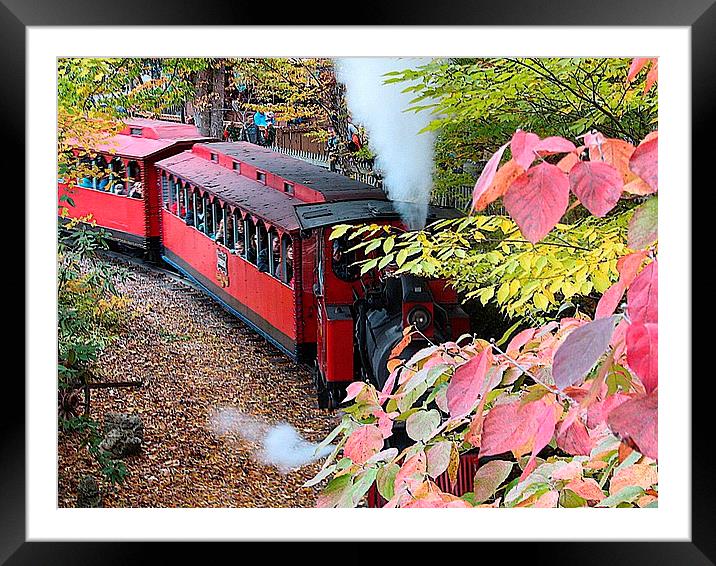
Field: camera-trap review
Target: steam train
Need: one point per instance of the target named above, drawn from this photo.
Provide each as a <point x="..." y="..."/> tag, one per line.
<point x="252" y="228"/>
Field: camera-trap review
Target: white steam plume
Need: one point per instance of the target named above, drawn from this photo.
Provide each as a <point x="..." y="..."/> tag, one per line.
<point x="404" y="156"/>
<point x="275" y="445"/>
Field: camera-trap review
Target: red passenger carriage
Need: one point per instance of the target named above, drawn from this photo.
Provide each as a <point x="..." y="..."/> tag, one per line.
<point x="123" y="198"/>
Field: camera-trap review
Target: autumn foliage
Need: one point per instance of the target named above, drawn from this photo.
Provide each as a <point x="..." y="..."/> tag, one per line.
<point x="561" y="414"/>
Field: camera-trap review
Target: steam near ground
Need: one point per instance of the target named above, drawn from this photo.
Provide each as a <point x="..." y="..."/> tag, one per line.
<point x="278" y="445"/>
<point x="404" y="156"/>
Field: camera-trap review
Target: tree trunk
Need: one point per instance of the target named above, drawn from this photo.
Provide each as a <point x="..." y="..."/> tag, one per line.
<point x="217" y="99"/>
<point x="202" y="118"/>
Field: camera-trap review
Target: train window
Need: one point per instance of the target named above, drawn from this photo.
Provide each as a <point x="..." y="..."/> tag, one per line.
<point x="214" y="157"/>
<point x="250" y="240"/>
<point x="261" y="177"/>
<point x="220" y="222"/>
<point x="284" y="269"/>
<point x="236" y="165"/>
<point x="134" y="180"/>
<point x="240" y="240"/>
<point x="288" y="188"/>
<point x="135" y="131"/>
<point x="101" y="180"/>
<point x="85" y="172"/>
<point x="116" y="177"/>
<point x="262" y="247"/>
<point x="230" y="229"/>
<point x="343" y="262"/>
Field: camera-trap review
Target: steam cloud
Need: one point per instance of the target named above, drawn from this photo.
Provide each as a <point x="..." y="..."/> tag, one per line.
<point x="404" y="156"/>
<point x="275" y="445"/>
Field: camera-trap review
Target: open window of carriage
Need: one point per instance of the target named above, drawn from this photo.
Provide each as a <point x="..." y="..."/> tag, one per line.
<point x="134" y="180"/>
<point x="274" y="251"/>
<point x="284" y="270"/>
<point x="221" y="219"/>
<point x="250" y="240"/>
<point x="117" y="174"/>
<point x="101" y="179"/>
<point x="263" y="252"/>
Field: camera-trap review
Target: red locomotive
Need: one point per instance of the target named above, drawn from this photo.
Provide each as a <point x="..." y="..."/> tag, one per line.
<point x="252" y="228"/>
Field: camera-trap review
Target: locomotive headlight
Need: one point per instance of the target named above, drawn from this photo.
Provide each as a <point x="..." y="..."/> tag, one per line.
<point x="419" y="317"/>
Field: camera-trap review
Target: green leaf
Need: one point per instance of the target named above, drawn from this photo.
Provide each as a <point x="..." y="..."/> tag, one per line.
<point x="625" y="495"/>
<point x="385" y="480"/>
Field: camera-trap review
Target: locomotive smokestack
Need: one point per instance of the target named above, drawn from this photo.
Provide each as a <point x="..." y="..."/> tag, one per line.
<point x="404" y="156"/>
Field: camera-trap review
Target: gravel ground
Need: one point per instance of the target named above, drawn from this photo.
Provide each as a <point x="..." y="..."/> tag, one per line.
<point x="193" y="357"/>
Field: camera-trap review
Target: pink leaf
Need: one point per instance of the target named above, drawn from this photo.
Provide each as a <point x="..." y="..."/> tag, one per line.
<point x="597" y="185"/>
<point x="586" y="489"/>
<point x="636" y="423"/>
<point x="575" y="440"/>
<point x="511" y="426"/>
<point x="643" y="295"/>
<point x="628" y="267"/>
<point x="599" y="411"/>
<point x="637" y="64"/>
<point x="644" y="225"/>
<point x="644" y="162"/>
<point x="580" y="351"/>
<point x="467" y="384"/>
<point x="546" y="422"/>
<point x="567" y="162"/>
<point x="537" y="200"/>
<point x="353" y="390"/>
<point x="610" y="300"/>
<point x="554" y="144"/>
<point x="616" y="153"/>
<point x="523" y="146"/>
<point x="487" y="175"/>
<point x="642" y="342"/>
<point x="363" y="443"/>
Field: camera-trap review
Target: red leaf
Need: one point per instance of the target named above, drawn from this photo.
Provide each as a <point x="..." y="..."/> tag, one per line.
<point x="597" y="185"/>
<point x="616" y="153"/>
<point x="501" y="182"/>
<point x="610" y="300"/>
<point x="642" y="342"/>
<point x="511" y="426"/>
<point x="580" y="351"/>
<point x="567" y="162"/>
<point x="537" y="200"/>
<point x="467" y="384"/>
<point x="643" y="296"/>
<point x="644" y="162"/>
<point x="637" y="64"/>
<point x="523" y="146"/>
<point x="575" y="440"/>
<point x="628" y="266"/>
<point x="546" y="422"/>
<point x="636" y="423"/>
<point x="487" y="175"/>
<point x="599" y="411"/>
<point x="554" y="144"/>
<point x="363" y="443"/>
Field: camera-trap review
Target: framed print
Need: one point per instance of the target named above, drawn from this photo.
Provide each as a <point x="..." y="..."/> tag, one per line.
<point x="233" y="211"/>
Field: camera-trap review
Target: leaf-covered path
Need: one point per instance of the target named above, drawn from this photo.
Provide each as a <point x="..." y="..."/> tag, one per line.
<point x="193" y="358"/>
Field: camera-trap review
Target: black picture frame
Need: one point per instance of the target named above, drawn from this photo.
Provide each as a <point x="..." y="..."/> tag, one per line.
<point x="17" y="15"/>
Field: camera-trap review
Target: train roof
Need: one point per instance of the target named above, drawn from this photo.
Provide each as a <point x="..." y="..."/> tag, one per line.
<point x="341" y="212"/>
<point x="333" y="186"/>
<point x="161" y="129"/>
<point x="234" y="189"/>
<point x="319" y="197"/>
<point x="143" y="137"/>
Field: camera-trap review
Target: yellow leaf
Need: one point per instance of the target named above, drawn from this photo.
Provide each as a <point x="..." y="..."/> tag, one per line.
<point x="540" y="301"/>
